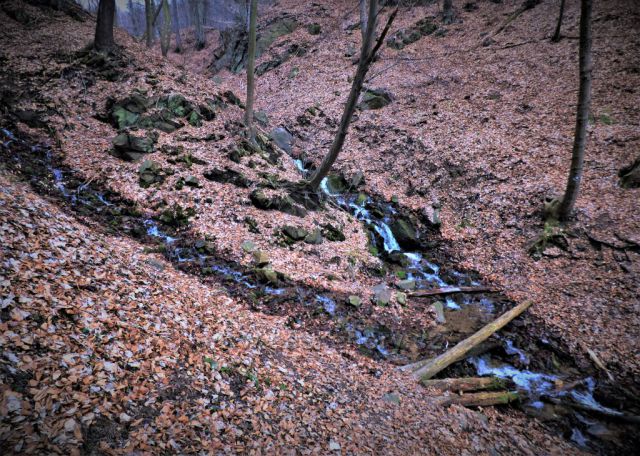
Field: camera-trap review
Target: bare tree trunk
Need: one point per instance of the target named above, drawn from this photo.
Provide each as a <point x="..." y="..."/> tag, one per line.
<point x="251" y="63"/>
<point x="582" y="115"/>
<point x="197" y="11"/>
<point x="363" y="66"/>
<point x="447" y="12"/>
<point x="556" y="35"/>
<point x="165" y="30"/>
<point x="176" y="25"/>
<point x="364" y="20"/>
<point x="104" y="27"/>
<point x="148" y="14"/>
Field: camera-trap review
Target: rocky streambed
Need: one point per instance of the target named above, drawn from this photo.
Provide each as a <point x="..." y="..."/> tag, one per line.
<point x="550" y="386"/>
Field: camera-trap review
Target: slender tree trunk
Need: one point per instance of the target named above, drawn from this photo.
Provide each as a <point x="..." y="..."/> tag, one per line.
<point x="363" y="66"/>
<point x="582" y="115"/>
<point x="176" y="25"/>
<point x="104" y="27"/>
<point x="251" y="63"/>
<point x="148" y="14"/>
<point x="556" y="35"/>
<point x="165" y="30"/>
<point x="364" y="20"/>
<point x="447" y="12"/>
<point x="197" y="10"/>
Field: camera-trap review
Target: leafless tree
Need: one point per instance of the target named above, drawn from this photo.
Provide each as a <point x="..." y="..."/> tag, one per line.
<point x="251" y="63"/>
<point x="104" y="27"/>
<point x="366" y="58"/>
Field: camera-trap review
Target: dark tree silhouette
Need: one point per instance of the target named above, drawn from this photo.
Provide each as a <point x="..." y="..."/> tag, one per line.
<point x="565" y="206"/>
<point x="104" y="27"/>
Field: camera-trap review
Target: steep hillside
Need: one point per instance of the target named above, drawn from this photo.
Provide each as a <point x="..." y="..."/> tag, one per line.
<point x="166" y="289"/>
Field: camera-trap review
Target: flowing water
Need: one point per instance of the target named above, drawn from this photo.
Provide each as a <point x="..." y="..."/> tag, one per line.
<point x="463" y="313"/>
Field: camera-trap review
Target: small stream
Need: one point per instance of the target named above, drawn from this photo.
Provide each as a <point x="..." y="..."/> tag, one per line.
<point x="462" y="313"/>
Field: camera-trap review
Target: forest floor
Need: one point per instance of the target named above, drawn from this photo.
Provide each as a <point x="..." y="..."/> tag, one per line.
<point x="113" y="345"/>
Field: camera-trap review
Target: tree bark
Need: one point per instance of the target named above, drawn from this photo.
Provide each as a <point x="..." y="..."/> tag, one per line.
<point x="176" y="25"/>
<point x="251" y="63"/>
<point x="447" y="12"/>
<point x="426" y="369"/>
<point x="148" y="15"/>
<point x="197" y="11"/>
<point x="556" y="35"/>
<point x="467" y="384"/>
<point x="104" y="27"/>
<point x="364" y="19"/>
<point x="479" y="399"/>
<point x="165" y="30"/>
<point x="363" y="66"/>
<point x="582" y="115"/>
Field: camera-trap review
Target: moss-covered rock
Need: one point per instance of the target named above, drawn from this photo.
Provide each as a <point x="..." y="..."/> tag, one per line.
<point x="314" y="238"/>
<point x="405" y="36"/>
<point x="405" y="233"/>
<point x="332" y="233"/>
<point x="227" y="176"/>
<point x="150" y="173"/>
<point x="375" y="99"/>
<point x="177" y="216"/>
<point x="294" y="233"/>
<point x="314" y="28"/>
<point x="133" y="147"/>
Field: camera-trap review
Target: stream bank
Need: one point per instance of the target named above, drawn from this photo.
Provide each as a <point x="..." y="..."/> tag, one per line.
<point x="534" y="366"/>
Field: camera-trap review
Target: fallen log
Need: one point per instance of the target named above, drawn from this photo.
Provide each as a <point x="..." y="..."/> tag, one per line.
<point x="451" y="290"/>
<point x="479" y="399"/>
<point x="467" y="384"/>
<point x="426" y="369"/>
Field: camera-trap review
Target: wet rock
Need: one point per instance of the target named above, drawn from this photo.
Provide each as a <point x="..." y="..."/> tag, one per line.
<point x="630" y="175"/>
<point x="31" y="118"/>
<point x="375" y="99"/>
<point x="177" y="216"/>
<point x="314" y="29"/>
<point x="204" y="246"/>
<point x="382" y="295"/>
<point x="314" y="238"/>
<point x="407" y="284"/>
<point x="432" y="215"/>
<point x="405" y="233"/>
<point x="150" y="173"/>
<point x="131" y="147"/>
<point x="268" y="275"/>
<point x="281" y="203"/>
<point x="283" y="139"/>
<point x="227" y="175"/>
<point x="398" y="258"/>
<point x="357" y="179"/>
<point x="332" y="233"/>
<point x="336" y="183"/>
<point x="354" y="301"/>
<point x="294" y="233"/>
<point x="261" y="258"/>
